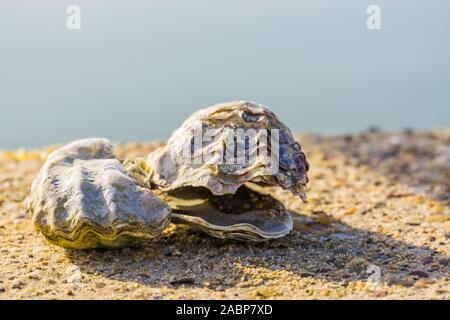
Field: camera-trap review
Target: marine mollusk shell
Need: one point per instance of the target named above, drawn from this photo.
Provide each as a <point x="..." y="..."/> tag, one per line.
<point x="246" y="215"/>
<point x="172" y="171"/>
<point x="84" y="198"/>
<point x="210" y="190"/>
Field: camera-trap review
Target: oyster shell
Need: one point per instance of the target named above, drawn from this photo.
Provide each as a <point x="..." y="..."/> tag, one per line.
<point x="84" y="198"/>
<point x="172" y="169"/>
<point x="245" y="215"/>
<point x="206" y="183"/>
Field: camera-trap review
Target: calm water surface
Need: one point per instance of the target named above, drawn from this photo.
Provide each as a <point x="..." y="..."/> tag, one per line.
<point x="136" y="69"/>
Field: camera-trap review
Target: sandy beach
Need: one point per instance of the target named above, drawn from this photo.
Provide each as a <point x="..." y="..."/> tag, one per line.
<point x="376" y="226"/>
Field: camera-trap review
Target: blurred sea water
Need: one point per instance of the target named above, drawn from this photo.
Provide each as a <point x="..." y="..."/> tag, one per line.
<point x="136" y="69"/>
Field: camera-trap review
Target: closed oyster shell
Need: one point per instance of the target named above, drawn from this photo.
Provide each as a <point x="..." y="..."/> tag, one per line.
<point x="84" y="198"/>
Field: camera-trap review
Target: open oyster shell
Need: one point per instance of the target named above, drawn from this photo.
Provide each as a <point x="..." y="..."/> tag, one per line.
<point x="207" y="184"/>
<point x="245" y="215"/>
<point x="84" y="198"/>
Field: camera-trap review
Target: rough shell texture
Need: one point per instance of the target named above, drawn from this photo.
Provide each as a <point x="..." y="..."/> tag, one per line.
<point x="84" y="198"/>
<point x="246" y="215"/>
<point x="170" y="171"/>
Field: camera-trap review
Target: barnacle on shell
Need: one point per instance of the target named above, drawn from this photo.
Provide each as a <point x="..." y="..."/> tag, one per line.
<point x="84" y="198"/>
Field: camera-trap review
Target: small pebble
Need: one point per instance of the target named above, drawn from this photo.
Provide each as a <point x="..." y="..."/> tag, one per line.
<point x="34" y="275"/>
<point x="423" y="283"/>
<point x="185" y="280"/>
<point x="323" y="239"/>
<point x="17" y="284"/>
<point x="444" y="261"/>
<point x="75" y="277"/>
<point x="419" y="273"/>
<point x="323" y="219"/>
<point x="427" y="260"/>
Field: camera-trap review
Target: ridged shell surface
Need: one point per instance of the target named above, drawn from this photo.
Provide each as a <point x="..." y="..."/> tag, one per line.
<point x="83" y="198"/>
<point x="170" y="170"/>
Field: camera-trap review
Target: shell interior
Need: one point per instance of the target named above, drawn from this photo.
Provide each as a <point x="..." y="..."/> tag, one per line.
<point x="245" y="215"/>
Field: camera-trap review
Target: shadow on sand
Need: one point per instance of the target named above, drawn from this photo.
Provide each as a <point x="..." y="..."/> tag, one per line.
<point x="334" y="252"/>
